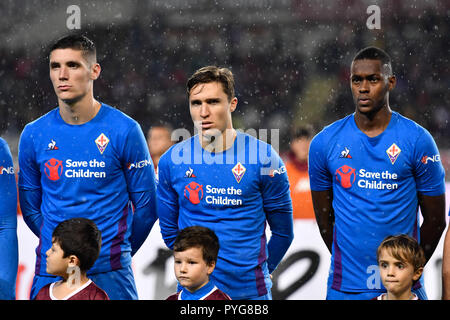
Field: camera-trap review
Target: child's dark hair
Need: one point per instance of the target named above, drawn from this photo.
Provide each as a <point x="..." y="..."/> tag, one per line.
<point x="198" y="237"/>
<point x="404" y="248"/>
<point x="79" y="237"/>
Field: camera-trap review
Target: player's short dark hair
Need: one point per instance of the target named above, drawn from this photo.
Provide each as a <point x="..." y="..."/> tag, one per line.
<point x="374" y="53"/>
<point x="198" y="237"/>
<point x="403" y="248"/>
<point x="79" y="237"/>
<point x="77" y="42"/>
<point x="213" y="74"/>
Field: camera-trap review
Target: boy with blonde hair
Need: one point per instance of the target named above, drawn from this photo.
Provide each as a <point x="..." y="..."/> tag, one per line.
<point x="401" y="261"/>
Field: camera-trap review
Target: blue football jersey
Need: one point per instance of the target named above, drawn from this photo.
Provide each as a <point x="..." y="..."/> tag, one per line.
<point x="233" y="193"/>
<point x="88" y="171"/>
<point x="375" y="183"/>
<point x="8" y="224"/>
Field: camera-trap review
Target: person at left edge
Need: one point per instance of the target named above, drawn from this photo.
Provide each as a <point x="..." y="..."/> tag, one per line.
<point x="87" y="159"/>
<point x="8" y="225"/>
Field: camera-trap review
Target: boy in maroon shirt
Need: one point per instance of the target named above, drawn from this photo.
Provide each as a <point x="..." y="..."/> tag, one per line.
<point x="195" y="255"/>
<point x="75" y="247"/>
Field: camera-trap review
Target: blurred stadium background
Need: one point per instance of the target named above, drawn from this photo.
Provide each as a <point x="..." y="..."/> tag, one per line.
<point x="290" y="58"/>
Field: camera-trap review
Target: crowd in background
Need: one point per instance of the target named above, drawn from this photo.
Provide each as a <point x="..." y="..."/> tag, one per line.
<point x="287" y="74"/>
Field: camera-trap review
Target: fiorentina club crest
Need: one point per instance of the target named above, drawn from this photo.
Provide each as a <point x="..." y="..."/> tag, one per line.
<point x="238" y="171"/>
<point x="102" y="142"/>
<point x="393" y="151"/>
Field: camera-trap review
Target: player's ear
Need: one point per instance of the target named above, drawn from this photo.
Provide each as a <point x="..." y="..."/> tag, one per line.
<point x="392" y="81"/>
<point x="233" y="104"/>
<point x="95" y="71"/>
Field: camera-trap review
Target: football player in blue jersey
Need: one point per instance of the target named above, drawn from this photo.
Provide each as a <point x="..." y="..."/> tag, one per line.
<point x="87" y="159"/>
<point x="369" y="173"/>
<point x="8" y="225"/>
<point x="231" y="183"/>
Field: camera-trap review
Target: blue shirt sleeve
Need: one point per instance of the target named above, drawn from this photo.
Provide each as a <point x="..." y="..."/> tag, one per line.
<point x="29" y="173"/>
<point x="278" y="208"/>
<point x="141" y="185"/>
<point x="428" y="170"/>
<point x="137" y="163"/>
<point x="167" y="202"/>
<point x="319" y="175"/>
<point x="30" y="204"/>
<point x="144" y="217"/>
<point x="8" y="224"/>
<point x="30" y="192"/>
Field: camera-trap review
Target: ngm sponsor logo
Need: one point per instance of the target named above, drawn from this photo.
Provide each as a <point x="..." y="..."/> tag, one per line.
<point x="194" y="192"/>
<point x="435" y="158"/>
<point x="383" y="180"/>
<point x="280" y="170"/>
<point x="6" y="170"/>
<point x="54" y="169"/>
<point x="139" y="164"/>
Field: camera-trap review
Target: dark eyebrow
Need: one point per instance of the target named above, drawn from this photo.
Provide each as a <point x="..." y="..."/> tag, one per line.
<point x="369" y="76"/>
<point x="73" y="63"/>
<point x="68" y="63"/>
<point x="195" y="101"/>
<point x="209" y="100"/>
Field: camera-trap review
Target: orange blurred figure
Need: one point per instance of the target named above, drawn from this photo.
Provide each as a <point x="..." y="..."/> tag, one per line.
<point x="297" y="170"/>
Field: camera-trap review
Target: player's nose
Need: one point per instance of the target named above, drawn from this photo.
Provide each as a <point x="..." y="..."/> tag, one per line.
<point x="364" y="87"/>
<point x="204" y="110"/>
<point x="63" y="73"/>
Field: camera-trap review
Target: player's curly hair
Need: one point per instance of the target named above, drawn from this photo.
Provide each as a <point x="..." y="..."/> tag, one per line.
<point x="374" y="53"/>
